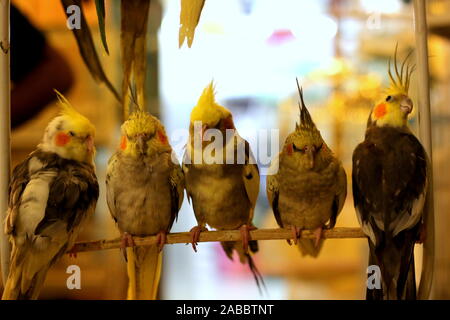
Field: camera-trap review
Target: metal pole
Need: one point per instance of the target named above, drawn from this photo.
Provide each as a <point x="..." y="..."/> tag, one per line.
<point x="420" y="22"/>
<point x="5" y="132"/>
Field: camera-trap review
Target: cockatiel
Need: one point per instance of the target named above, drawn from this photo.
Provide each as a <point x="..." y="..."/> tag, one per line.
<point x="389" y="188"/>
<point x="222" y="178"/>
<point x="310" y="186"/>
<point x="145" y="186"/>
<point x="51" y="195"/>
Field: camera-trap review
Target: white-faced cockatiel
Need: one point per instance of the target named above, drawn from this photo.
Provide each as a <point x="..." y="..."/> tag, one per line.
<point x="51" y="195"/>
<point x="222" y="178"/>
<point x="310" y="186"/>
<point x="145" y="186"/>
<point x="389" y="188"/>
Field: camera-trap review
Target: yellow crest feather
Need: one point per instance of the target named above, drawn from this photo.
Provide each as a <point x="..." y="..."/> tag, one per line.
<point x="207" y="109"/>
<point x="140" y="122"/>
<point x="399" y="82"/>
<point x="66" y="107"/>
<point x="69" y="112"/>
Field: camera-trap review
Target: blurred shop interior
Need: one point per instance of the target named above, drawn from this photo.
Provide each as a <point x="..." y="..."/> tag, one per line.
<point x="254" y="50"/>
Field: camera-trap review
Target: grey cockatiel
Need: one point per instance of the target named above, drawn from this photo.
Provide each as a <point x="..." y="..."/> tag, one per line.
<point x="223" y="192"/>
<point x="307" y="185"/>
<point x="145" y="186"/>
<point x="51" y="195"/>
<point x="390" y="180"/>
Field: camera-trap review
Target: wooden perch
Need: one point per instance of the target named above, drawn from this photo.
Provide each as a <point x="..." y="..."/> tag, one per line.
<point x="227" y="235"/>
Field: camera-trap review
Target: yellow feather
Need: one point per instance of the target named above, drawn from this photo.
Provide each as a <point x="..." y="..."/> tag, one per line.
<point x="79" y="122"/>
<point x="399" y="82"/>
<point x="140" y="122"/>
<point x="207" y="110"/>
<point x="144" y="272"/>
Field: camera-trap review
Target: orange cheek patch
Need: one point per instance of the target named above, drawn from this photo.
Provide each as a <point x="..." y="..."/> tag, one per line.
<point x="289" y="149"/>
<point x="123" y="143"/>
<point x="380" y="110"/>
<point x="62" y="139"/>
<point x="162" y="137"/>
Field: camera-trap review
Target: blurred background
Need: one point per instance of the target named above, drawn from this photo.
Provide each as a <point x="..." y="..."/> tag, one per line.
<point x="253" y="49"/>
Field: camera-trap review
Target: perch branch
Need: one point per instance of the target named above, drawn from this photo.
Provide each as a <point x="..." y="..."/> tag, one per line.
<point x="226" y="235"/>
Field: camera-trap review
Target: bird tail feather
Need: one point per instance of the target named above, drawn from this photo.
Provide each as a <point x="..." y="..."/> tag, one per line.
<point x="244" y="257"/>
<point x="308" y="247"/>
<point x="144" y="272"/>
<point x="23" y="283"/>
<point x="395" y="259"/>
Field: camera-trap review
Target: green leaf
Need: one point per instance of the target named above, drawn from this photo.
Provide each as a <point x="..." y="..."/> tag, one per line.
<point x="100" y="6"/>
<point x="87" y="48"/>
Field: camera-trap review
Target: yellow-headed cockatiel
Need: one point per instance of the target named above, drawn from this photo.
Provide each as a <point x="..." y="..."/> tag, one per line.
<point x="222" y="178"/>
<point x="145" y="188"/>
<point x="389" y="188"/>
<point x="310" y="186"/>
<point x="51" y="195"/>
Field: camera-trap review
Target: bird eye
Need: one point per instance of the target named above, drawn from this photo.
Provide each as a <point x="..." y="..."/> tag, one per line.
<point x="71" y="133"/>
<point x="298" y="149"/>
<point x="388" y="98"/>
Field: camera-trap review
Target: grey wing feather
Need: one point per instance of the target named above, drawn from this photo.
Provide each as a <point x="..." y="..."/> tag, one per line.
<point x="177" y="189"/>
<point x="272" y="194"/>
<point x="111" y="173"/>
<point x="340" y="197"/>
<point x="251" y="175"/>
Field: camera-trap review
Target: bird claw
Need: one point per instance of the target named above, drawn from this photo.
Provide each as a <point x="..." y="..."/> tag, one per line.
<point x="296" y="232"/>
<point x="245" y="235"/>
<point x="161" y="239"/>
<point x="73" y="252"/>
<point x="127" y="240"/>
<point x="318" y="235"/>
<point x="195" y="236"/>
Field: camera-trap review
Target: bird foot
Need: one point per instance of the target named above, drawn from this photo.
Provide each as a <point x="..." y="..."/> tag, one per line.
<point x="195" y="235"/>
<point x="127" y="240"/>
<point x="161" y="239"/>
<point x="73" y="252"/>
<point x="245" y="235"/>
<point x="317" y="235"/>
<point x="296" y="233"/>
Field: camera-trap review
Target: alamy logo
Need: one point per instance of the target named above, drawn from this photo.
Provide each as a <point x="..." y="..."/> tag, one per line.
<point x="74" y="20"/>
<point x="213" y="146"/>
<point x="374" y="277"/>
<point x="74" y="280"/>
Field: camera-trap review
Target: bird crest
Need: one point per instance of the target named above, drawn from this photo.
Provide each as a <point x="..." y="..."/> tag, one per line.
<point x="68" y="112"/>
<point x="207" y="109"/>
<point x="400" y="79"/>
<point x="140" y="122"/>
<point x="66" y="106"/>
<point x="305" y="122"/>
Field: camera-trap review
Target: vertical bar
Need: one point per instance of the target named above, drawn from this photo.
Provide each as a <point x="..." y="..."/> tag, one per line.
<point x="421" y="35"/>
<point x="5" y="132"/>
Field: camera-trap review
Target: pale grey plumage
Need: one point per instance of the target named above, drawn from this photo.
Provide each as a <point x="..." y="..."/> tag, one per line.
<point x="307" y="186"/>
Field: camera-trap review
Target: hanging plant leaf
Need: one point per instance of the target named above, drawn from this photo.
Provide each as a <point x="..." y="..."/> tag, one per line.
<point x="134" y="18"/>
<point x="189" y="18"/>
<point x="100" y="7"/>
<point x="87" y="48"/>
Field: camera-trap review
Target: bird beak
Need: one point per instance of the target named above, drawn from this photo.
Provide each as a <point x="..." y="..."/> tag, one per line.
<point x="310" y="155"/>
<point x="89" y="144"/>
<point x="142" y="144"/>
<point x="406" y="105"/>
